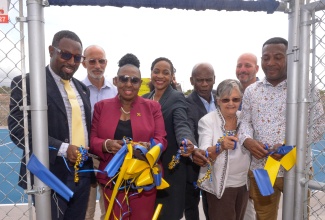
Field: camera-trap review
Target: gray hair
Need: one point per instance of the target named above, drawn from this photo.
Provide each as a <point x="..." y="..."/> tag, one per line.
<point x="225" y="88"/>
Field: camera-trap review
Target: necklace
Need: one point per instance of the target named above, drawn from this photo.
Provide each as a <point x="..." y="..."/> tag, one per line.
<point x="125" y="112"/>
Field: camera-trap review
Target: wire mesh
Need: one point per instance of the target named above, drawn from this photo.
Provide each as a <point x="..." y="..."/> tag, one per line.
<point x="13" y="199"/>
<point x="315" y="195"/>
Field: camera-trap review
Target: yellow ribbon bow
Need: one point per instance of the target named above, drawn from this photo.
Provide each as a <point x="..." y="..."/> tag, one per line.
<point x="139" y="172"/>
<point x="272" y="166"/>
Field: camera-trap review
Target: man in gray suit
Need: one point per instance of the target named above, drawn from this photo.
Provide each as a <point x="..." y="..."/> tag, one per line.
<point x="200" y="102"/>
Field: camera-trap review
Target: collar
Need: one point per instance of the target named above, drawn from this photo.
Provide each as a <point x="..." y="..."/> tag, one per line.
<point x="265" y="82"/>
<point x="55" y="76"/>
<point x="205" y="101"/>
<point x="87" y="82"/>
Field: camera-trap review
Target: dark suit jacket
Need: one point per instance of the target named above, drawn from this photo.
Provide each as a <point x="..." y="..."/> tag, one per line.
<point x="196" y="111"/>
<point x="174" y="108"/>
<point x="58" y="128"/>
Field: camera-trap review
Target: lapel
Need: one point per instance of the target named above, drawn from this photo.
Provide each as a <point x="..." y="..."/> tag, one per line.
<point x="199" y="103"/>
<point x="83" y="93"/>
<point x="149" y="95"/>
<point x="53" y="92"/>
<point x="166" y="95"/>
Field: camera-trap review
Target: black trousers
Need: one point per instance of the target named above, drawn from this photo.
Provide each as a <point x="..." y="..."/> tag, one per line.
<point x="76" y="207"/>
<point x="192" y="200"/>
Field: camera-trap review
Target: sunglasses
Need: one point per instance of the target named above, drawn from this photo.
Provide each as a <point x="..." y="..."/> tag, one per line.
<point x="68" y="56"/>
<point x="94" y="61"/>
<point x="228" y="100"/>
<point x="126" y="78"/>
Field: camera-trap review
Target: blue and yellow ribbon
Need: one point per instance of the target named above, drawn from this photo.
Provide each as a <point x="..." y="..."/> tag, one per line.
<point x="47" y="177"/>
<point x="175" y="158"/>
<point x="266" y="177"/>
<point x="143" y="175"/>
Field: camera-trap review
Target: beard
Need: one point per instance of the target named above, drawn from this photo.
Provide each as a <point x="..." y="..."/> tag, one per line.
<point x="94" y="76"/>
<point x="65" y="76"/>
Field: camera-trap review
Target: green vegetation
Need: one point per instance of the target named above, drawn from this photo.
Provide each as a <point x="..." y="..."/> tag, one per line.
<point x="188" y="92"/>
<point x="4" y="90"/>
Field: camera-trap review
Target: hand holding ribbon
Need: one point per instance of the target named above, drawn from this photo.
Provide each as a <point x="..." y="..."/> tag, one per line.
<point x="229" y="143"/>
<point x="81" y="158"/>
<point x="199" y="158"/>
<point x="112" y="146"/>
<point x="256" y="148"/>
<point x="72" y="153"/>
<point x="276" y="151"/>
<point x="186" y="147"/>
<point x="185" y="150"/>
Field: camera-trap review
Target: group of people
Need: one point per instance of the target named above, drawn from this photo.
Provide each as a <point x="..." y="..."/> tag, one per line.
<point x="214" y="145"/>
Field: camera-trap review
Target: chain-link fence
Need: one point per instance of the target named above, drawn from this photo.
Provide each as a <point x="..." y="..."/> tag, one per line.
<point x="13" y="199"/>
<point x="14" y="202"/>
<point x="314" y="197"/>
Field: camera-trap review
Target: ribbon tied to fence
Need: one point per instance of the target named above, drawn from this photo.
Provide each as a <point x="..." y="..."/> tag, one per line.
<point x="265" y="178"/>
<point x="47" y="177"/>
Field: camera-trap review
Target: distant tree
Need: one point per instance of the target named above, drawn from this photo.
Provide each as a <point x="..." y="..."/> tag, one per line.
<point x="188" y="92"/>
<point x="4" y="90"/>
<point x="322" y="92"/>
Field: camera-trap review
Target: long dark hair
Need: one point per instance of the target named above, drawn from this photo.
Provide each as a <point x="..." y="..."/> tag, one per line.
<point x="172" y="70"/>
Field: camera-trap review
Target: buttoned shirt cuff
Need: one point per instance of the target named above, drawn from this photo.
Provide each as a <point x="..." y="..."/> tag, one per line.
<point x="242" y="139"/>
<point x="241" y="142"/>
<point x="191" y="157"/>
<point x="63" y="150"/>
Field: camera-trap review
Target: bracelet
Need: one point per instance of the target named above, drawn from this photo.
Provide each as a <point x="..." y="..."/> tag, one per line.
<point x="218" y="144"/>
<point x="108" y="151"/>
<point x="218" y="147"/>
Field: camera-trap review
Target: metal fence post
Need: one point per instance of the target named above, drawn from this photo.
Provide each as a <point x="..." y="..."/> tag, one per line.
<point x="291" y="106"/>
<point x="38" y="107"/>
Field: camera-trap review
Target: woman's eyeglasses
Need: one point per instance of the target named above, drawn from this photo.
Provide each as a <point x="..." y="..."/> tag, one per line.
<point x="228" y="100"/>
<point x="68" y="56"/>
<point x="125" y="78"/>
<point x="94" y="61"/>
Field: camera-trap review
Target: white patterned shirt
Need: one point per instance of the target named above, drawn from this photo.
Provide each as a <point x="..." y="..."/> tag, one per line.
<point x="263" y="117"/>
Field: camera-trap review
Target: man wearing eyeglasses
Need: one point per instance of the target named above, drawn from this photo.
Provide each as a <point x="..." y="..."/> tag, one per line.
<point x="200" y="102"/>
<point x="100" y="88"/>
<point x="68" y="105"/>
<point x="246" y="70"/>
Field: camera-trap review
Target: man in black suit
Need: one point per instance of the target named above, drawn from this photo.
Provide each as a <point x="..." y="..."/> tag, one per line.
<point x="200" y="102"/>
<point x="65" y="53"/>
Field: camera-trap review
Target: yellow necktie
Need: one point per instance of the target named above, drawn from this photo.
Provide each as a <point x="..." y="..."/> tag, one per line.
<point x="78" y="135"/>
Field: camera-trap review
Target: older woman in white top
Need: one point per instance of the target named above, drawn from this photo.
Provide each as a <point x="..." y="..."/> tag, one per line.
<point x="226" y="186"/>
